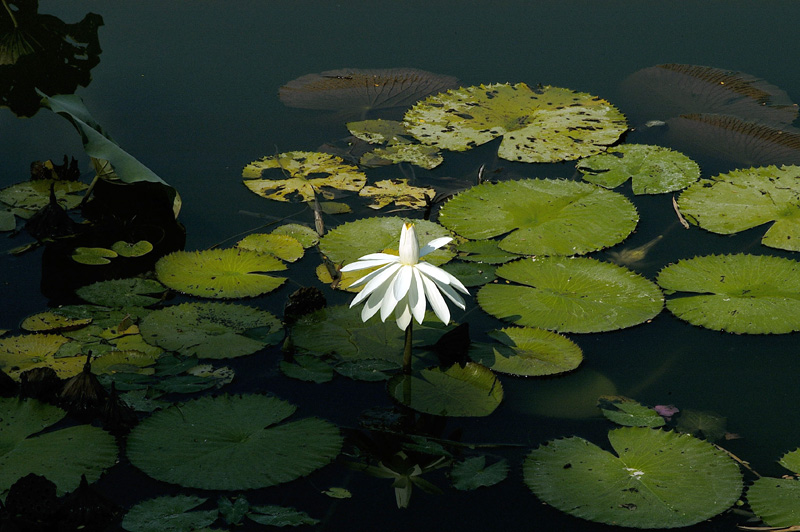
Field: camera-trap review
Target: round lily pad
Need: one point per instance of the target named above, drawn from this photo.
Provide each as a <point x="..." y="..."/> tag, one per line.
<point x="28" y="351"/>
<point x="34" y="195"/>
<point x="542" y="216"/>
<point x="777" y="500"/>
<point x="303" y="234"/>
<point x="652" y="169"/>
<point x="396" y="191"/>
<point x="658" y="479"/>
<point x="211" y="330"/>
<point x="132" y="249"/>
<point x="284" y="247"/>
<point x="118" y="293"/>
<point x="231" y="443"/>
<point x="527" y="352"/>
<point x="169" y="514"/>
<point x="743" y="199"/>
<point x="544" y="124"/>
<point x="576" y="294"/>
<point x="51" y="322"/>
<point x="220" y="273"/>
<point x="455" y="392"/>
<point x="93" y="256"/>
<point x="755" y="294"/>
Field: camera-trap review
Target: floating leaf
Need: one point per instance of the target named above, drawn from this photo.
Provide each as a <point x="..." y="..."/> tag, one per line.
<point x="305" y="235"/>
<point x="652" y="169"/>
<point x="753" y="294"/>
<point x="62" y="456"/>
<point x="132" y="249"/>
<point x="220" y="273"/>
<point x="625" y="411"/>
<point x="119" y="293"/>
<point x="210" y="330"/>
<point x="168" y="514"/>
<point x="32" y="196"/>
<point x="8" y="222"/>
<point x="93" y="256"/>
<point x="743" y="199"/>
<point x="52" y="322"/>
<point x="528" y="352"/>
<point x="545" y="124"/>
<point x="487" y="251"/>
<point x="571" y="295"/>
<point x="338" y="493"/>
<point x="397" y="145"/>
<point x="307" y="368"/>
<point x="284" y="247"/>
<point x="301" y="173"/>
<point x="370" y="369"/>
<point x="473" y="473"/>
<point x="379" y="131"/>
<point x="231" y="443"/>
<point x="455" y="392"/>
<point x="20" y="353"/>
<point x="471" y="273"/>
<point x="542" y="216"/>
<point x="776" y="501"/>
<point x="658" y="479"/>
<point x="279" y="516"/>
<point x="706" y="425"/>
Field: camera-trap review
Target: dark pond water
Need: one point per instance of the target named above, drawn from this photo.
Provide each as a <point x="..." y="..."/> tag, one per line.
<point x="190" y="88"/>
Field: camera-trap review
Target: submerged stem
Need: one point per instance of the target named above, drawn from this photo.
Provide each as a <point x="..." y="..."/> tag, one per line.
<point x="10" y="13"/>
<point x="407" y="349"/>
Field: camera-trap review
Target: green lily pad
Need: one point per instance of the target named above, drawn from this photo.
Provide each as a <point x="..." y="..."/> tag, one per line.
<point x="52" y="322"/>
<point x="93" y="256"/>
<point x="777" y="500"/>
<point x="753" y="294"/>
<point x="118" y="293"/>
<point x="743" y="199"/>
<point x="28" y="351"/>
<point x="132" y="249"/>
<point x="8" y="222"/>
<point x="486" y="251"/>
<point x="564" y="294"/>
<point x="231" y="443"/>
<point x="279" y="516"/>
<point x="529" y="352"/>
<point x="307" y="368"/>
<point x="658" y="479"/>
<point x="706" y="425"/>
<point x="379" y="131"/>
<point x="396" y="191"/>
<point x="60" y="455"/>
<point x="545" y="124"/>
<point x="652" y="169"/>
<point x="211" y="330"/>
<point x="369" y="369"/>
<point x="471" y="391"/>
<point x="284" y="247"/>
<point x="169" y="514"/>
<point x="303" y="234"/>
<point x="473" y="473"/>
<point x="542" y="216"/>
<point x="471" y="273"/>
<point x="625" y="411"/>
<point x="220" y="273"/>
<point x="299" y="173"/>
<point x="32" y="196"/>
<point x="428" y="157"/>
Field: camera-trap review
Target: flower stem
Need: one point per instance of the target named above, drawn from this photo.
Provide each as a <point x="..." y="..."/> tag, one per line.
<point x="407" y="349"/>
<point x="10" y="13"/>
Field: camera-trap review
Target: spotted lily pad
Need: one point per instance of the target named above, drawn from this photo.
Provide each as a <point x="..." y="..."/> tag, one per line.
<point x="777" y="500"/>
<point x="31" y="196"/>
<point x="576" y="294"/>
<point x="299" y="173"/>
<point x="544" y="124"/>
<point x="652" y="169"/>
<point x="285" y="247"/>
<point x="119" y="293"/>
<point x="231" y="443"/>
<point x="542" y="216"/>
<point x="743" y="199"/>
<point x="528" y="352"/>
<point x="659" y="479"/>
<point x="28" y="351"/>
<point x="220" y="273"/>
<point x="52" y="322"/>
<point x="395" y="144"/>
<point x="755" y="294"/>
<point x="396" y="191"/>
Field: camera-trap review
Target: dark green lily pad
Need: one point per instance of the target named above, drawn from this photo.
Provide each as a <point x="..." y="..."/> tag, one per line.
<point x="473" y="473"/>
<point x="471" y="391"/>
<point x="307" y="368"/>
<point x="753" y="294"/>
<point x="743" y="199"/>
<point x="485" y="251"/>
<point x="211" y="330"/>
<point x="545" y="124"/>
<point x="542" y="216"/>
<point x="369" y="369"/>
<point x="169" y="514"/>
<point x="471" y="273"/>
<point x="777" y="500"/>
<point x="529" y="352"/>
<point x="231" y="443"/>
<point x="578" y="294"/>
<point x="118" y="293"/>
<point x="652" y="169"/>
<point x="658" y="479"/>
<point x="625" y="411"/>
<point x="279" y="516"/>
<point x="60" y="455"/>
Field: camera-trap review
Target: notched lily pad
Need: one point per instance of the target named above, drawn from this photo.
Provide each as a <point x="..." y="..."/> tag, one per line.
<point x="169" y="514"/>
<point x="777" y="500"/>
<point x="31" y="196"/>
<point x="132" y="249"/>
<point x="528" y="352"/>
<point x="21" y="353"/>
<point x="396" y="191"/>
<point x="120" y="293"/>
<point x="285" y="247"/>
<point x="625" y="411"/>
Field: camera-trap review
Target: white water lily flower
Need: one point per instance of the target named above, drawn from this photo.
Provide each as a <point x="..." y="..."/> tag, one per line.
<point x="403" y="283"/>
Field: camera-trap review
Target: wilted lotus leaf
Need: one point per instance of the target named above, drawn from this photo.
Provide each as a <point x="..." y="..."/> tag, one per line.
<point x="471" y="391"/>
<point x="231" y="443"/>
<point x="659" y="479"/>
<point x="30" y="196"/>
<point x="397" y="145"/>
<point x="132" y="249"/>
<point x="153" y="514"/>
<point x="362" y="90"/>
<point x="20" y="353"/>
<point x="542" y="216"/>
<point x="668" y="90"/>
<point x="118" y="293"/>
<point x="284" y="247"/>
<point x="396" y="191"/>
<point x="527" y="352"/>
<point x="299" y="173"/>
<point x="545" y="124"/>
<point x="305" y="235"/>
<point x="62" y="456"/>
<point x="211" y="330"/>
<point x="776" y="501"/>
<point x="755" y="294"/>
<point x="220" y="273"/>
<point x="579" y="295"/>
<point x="52" y="322"/>
<point x="652" y="169"/>
<point x="743" y="199"/>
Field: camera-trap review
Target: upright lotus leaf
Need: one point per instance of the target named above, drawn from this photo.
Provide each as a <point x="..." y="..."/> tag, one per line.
<point x="545" y="124"/>
<point x="742" y="199"/>
<point x="210" y="330"/>
<point x="651" y="169"/>
<point x="658" y="479"/>
<point x="776" y="501"/>
<point x="524" y="351"/>
<point x="31" y="196"/>
<point x="299" y="174"/>
<point x="471" y="391"/>
<point x="231" y="443"/>
<point x="577" y="294"/>
<point x="542" y="216"/>
<point x="28" y="351"/>
<point x="285" y="247"/>
<point x="60" y="455"/>
<point x="754" y="294"/>
<point x="118" y="293"/>
<point x="169" y="514"/>
<point x="220" y="273"/>
<point x="396" y="191"/>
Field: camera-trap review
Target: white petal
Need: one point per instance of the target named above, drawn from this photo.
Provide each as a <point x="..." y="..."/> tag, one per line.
<point x="389" y="301"/>
<point x="434" y="272"/>
<point x="437" y="301"/>
<point x="383" y="276"/>
<point x="364" y="264"/>
<point x="451" y="294"/>
<point x="402" y="282"/>
<point x="455" y="283"/>
<point x="403" y="316"/>
<point x="376" y="256"/>
<point x="370" y="276"/>
<point x="409" y="246"/>
<point x="416" y="297"/>
<point x="373" y="304"/>
<point x="434" y="244"/>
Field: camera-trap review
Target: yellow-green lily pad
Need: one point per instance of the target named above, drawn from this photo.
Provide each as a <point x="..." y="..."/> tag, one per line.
<point x="93" y="256"/>
<point x="284" y="247"/>
<point x="28" y="351"/>
<point x="132" y="249"/>
<point x="31" y="196"/>
<point x="396" y="191"/>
